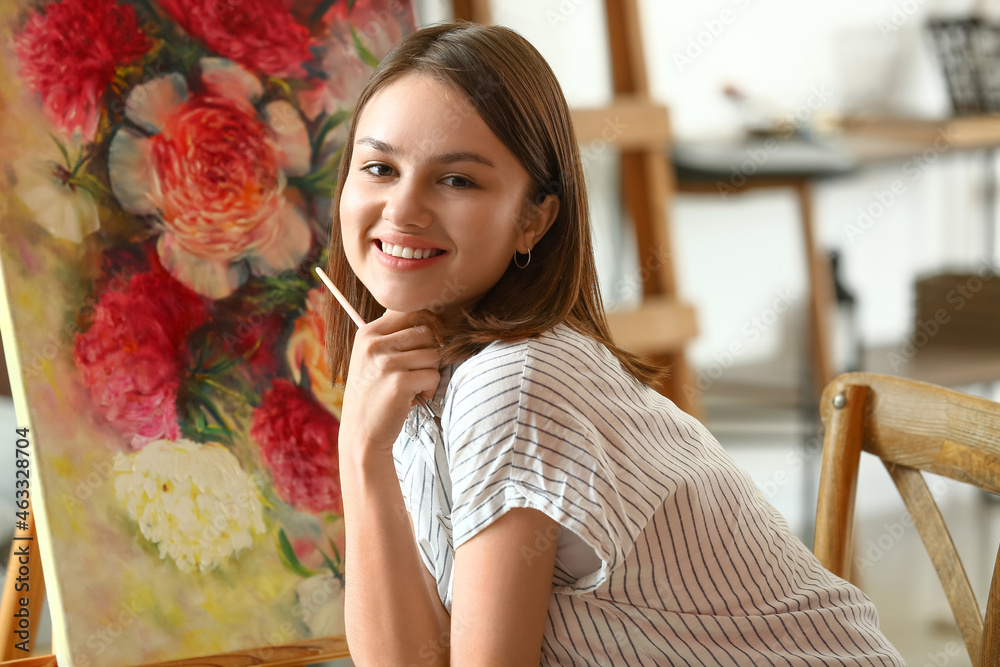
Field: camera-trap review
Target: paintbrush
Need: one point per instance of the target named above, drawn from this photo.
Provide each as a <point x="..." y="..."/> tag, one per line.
<point x="361" y="322"/>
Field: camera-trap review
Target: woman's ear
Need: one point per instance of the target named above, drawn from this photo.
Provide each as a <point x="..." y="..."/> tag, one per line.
<point x="537" y="220"/>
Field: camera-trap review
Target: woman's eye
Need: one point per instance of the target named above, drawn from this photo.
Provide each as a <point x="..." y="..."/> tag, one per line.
<point x="370" y="167"/>
<point x="459" y="182"/>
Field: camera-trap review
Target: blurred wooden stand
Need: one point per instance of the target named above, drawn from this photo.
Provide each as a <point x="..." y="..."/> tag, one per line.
<point x="661" y="327"/>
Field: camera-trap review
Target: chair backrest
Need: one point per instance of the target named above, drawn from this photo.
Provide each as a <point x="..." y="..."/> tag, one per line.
<point x="911" y="426"/>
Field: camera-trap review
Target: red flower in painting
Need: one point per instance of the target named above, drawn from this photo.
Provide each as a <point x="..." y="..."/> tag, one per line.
<point x="134" y="353"/>
<point x="178" y="309"/>
<point x="212" y="152"/>
<point x="258" y="34"/>
<point x="212" y="168"/>
<point x="68" y="54"/>
<point x="298" y="443"/>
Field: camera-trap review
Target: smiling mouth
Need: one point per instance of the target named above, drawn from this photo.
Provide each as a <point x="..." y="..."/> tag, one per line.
<point x="405" y="252"/>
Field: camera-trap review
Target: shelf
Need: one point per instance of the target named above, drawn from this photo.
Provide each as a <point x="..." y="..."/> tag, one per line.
<point x="940" y="365"/>
<point x="776" y="383"/>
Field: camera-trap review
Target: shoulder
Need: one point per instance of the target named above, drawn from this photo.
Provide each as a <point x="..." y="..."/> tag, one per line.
<point x="494" y="383"/>
<point x="560" y="350"/>
<point x="560" y="371"/>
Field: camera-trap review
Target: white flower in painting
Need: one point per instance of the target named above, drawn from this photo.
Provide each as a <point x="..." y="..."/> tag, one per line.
<point x="321" y="601"/>
<point x="211" y="168"/>
<point x="193" y="501"/>
<point x="66" y="211"/>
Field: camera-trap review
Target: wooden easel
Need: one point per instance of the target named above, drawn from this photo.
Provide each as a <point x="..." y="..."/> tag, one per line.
<point x="12" y="598"/>
<point x="662" y="325"/>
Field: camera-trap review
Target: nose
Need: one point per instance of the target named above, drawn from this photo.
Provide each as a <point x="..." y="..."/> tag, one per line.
<point x="406" y="204"/>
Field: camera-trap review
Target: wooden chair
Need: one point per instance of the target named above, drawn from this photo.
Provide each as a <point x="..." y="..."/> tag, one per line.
<point x="911" y="426"/>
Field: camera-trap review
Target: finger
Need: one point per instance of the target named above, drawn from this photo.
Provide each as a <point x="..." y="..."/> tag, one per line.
<point x="425" y="383"/>
<point x="413" y="338"/>
<point x="436" y="324"/>
<point x="424" y="317"/>
<point x="415" y="360"/>
<point x="391" y="321"/>
<point x="383" y="366"/>
<point x="429" y="318"/>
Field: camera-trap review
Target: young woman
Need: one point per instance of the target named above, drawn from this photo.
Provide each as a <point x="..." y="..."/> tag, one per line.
<point x="554" y="509"/>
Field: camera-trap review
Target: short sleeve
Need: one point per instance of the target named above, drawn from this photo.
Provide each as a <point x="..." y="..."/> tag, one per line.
<point x="516" y="437"/>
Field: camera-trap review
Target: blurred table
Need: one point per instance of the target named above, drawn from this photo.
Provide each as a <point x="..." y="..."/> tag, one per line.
<point x="725" y="168"/>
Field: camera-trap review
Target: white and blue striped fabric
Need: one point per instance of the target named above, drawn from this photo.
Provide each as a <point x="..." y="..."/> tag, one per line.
<point x="668" y="554"/>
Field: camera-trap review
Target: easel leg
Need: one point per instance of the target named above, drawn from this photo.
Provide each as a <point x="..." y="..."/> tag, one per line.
<point x="23" y="595"/>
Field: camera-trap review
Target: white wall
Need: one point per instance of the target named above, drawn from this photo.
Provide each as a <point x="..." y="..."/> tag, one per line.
<point x="735" y="257"/>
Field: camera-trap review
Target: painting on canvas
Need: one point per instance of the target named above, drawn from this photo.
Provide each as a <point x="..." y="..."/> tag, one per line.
<point x="165" y="184"/>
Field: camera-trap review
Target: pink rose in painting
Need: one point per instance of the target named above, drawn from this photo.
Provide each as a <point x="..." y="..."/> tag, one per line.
<point x="298" y="444"/>
<point x="134" y="353"/>
<point x="379" y="24"/>
<point x="261" y="35"/>
<point x="68" y="54"/>
<point x="211" y="169"/>
<point x="307" y="351"/>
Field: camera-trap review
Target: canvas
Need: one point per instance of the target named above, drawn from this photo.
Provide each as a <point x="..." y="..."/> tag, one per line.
<point x="167" y="169"/>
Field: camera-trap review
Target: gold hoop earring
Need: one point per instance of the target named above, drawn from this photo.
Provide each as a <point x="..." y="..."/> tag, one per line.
<point x="526" y="263"/>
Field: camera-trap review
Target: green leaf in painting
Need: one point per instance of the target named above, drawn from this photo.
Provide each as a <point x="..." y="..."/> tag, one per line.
<point x="329" y="563"/>
<point x="336" y="552"/>
<point x="62" y="149"/>
<point x="280" y="83"/>
<point x="329" y="125"/>
<point x="321" y="181"/>
<point x="288" y="558"/>
<point x="350" y="5"/>
<point x="89" y="183"/>
<point x="212" y="410"/>
<point x="214" y="434"/>
<point x="288" y="289"/>
<point x="202" y="406"/>
<point x="366" y="55"/>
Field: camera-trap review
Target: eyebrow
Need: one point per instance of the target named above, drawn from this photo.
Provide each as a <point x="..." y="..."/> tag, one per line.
<point x="443" y="158"/>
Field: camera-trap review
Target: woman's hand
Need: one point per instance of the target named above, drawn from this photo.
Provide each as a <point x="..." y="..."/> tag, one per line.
<point x="394" y="359"/>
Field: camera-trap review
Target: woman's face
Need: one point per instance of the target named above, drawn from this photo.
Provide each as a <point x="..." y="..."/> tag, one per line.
<point x="431" y="211"/>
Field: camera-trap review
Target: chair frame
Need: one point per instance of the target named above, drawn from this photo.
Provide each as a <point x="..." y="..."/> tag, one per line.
<point x="911" y="426"/>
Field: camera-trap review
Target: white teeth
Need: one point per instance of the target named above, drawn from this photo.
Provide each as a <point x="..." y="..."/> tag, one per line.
<point x="409" y="253"/>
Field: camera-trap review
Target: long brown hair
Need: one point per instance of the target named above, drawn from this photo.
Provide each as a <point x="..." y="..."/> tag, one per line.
<point x="518" y="97"/>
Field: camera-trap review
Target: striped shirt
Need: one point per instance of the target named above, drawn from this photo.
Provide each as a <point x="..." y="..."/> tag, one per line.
<point x="667" y="552"/>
